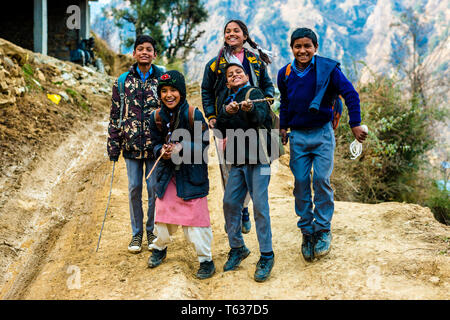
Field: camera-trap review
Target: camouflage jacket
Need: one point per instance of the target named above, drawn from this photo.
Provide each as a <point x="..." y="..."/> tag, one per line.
<point x="133" y="138"/>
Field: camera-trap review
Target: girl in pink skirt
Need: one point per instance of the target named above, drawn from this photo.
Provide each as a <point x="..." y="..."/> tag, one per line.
<point x="179" y="135"/>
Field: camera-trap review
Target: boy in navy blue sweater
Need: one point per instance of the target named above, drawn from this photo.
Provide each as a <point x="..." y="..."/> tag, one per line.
<point x="307" y="93"/>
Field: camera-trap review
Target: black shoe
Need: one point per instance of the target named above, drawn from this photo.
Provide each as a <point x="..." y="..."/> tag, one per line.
<point x="150" y="238"/>
<point x="246" y="224"/>
<point x="235" y="257"/>
<point x="157" y="257"/>
<point x="308" y="247"/>
<point x="323" y="243"/>
<point x="135" y="245"/>
<point x="207" y="269"/>
<point x="263" y="268"/>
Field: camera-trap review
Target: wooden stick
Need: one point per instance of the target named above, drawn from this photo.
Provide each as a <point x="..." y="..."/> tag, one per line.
<point x="154" y="166"/>
<point x="258" y="100"/>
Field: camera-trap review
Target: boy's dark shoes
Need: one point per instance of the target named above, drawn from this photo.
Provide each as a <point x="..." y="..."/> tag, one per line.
<point x="246" y="224"/>
<point x="263" y="268"/>
<point x="323" y="243"/>
<point x="135" y="245"/>
<point x="235" y="257"/>
<point x="150" y="238"/>
<point x="308" y="247"/>
<point x="157" y="257"/>
<point x="207" y="269"/>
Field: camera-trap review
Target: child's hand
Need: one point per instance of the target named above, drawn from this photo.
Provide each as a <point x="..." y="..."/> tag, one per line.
<point x="167" y="151"/>
<point x="284" y="137"/>
<point x="246" y="105"/>
<point x="359" y="133"/>
<point x="232" y="108"/>
<point x="212" y="123"/>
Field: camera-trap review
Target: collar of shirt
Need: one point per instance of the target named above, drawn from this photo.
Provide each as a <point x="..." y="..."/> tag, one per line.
<point x="302" y="73"/>
<point x="231" y="97"/>
<point x="240" y="55"/>
<point x="145" y="77"/>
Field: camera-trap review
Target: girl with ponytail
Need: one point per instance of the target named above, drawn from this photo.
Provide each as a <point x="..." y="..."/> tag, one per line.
<point x="214" y="87"/>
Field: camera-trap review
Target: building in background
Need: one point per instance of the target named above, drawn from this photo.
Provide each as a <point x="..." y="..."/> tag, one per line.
<point x="41" y="25"/>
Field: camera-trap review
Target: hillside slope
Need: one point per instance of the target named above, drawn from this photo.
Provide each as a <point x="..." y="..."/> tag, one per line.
<point x="53" y="205"/>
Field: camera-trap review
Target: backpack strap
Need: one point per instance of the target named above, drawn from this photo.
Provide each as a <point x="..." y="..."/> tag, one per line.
<point x="157" y="119"/>
<point x="288" y="72"/>
<point x="121" y="86"/>
<point x="191" y="116"/>
<point x="247" y="94"/>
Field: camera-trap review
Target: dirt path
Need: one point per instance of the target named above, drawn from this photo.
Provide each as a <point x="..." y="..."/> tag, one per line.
<point x="385" y="251"/>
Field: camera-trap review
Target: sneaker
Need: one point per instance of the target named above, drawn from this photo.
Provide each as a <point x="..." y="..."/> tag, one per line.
<point x="207" y="269"/>
<point x="157" y="257"/>
<point x="135" y="245"/>
<point x="150" y="238"/>
<point x="323" y="243"/>
<point x="235" y="257"/>
<point x="246" y="224"/>
<point x="263" y="268"/>
<point x="308" y="247"/>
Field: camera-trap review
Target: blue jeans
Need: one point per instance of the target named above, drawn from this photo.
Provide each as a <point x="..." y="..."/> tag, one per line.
<point x="135" y="171"/>
<point x="313" y="148"/>
<point x="243" y="179"/>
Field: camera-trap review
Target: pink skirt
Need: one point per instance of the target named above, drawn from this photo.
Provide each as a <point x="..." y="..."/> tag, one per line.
<point x="173" y="210"/>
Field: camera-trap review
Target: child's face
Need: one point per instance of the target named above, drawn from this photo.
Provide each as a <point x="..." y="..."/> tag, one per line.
<point x="303" y="50"/>
<point x="234" y="36"/>
<point x="144" y="53"/>
<point x="170" y="96"/>
<point x="236" y="77"/>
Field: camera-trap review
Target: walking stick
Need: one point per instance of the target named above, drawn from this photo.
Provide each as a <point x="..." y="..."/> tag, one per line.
<point x="219" y="155"/>
<point x="154" y="166"/>
<point x="107" y="205"/>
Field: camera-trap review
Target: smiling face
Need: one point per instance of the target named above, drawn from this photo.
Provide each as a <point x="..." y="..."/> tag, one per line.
<point x="234" y="36"/>
<point x="144" y="53"/>
<point x="170" y="96"/>
<point x="236" y="77"/>
<point x="303" y="50"/>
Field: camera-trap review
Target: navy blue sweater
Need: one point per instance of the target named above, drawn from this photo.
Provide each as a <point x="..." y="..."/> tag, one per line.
<point x="298" y="93"/>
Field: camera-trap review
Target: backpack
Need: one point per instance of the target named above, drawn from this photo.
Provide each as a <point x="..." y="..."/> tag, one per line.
<point x="336" y="106"/>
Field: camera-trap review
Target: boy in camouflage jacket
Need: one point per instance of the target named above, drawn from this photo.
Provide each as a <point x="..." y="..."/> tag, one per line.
<point x="132" y="138"/>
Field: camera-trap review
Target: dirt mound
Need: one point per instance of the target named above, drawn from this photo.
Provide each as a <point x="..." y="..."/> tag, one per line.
<point x="55" y="180"/>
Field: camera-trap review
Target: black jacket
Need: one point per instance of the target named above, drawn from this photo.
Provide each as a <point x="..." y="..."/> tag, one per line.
<point x="213" y="84"/>
<point x="245" y="146"/>
<point x="191" y="178"/>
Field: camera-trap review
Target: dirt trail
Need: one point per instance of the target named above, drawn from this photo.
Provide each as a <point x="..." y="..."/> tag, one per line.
<point x="384" y="251"/>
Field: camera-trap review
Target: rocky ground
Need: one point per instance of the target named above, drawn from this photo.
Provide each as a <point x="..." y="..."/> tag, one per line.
<point x="54" y="183"/>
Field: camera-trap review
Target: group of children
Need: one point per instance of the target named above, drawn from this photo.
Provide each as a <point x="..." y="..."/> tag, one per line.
<point x="236" y="95"/>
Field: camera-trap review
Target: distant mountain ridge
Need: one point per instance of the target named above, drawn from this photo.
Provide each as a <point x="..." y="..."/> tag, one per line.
<point x="348" y="30"/>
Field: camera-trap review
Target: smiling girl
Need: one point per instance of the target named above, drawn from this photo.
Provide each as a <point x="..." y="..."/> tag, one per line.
<point x="214" y="86"/>
<point x="181" y="189"/>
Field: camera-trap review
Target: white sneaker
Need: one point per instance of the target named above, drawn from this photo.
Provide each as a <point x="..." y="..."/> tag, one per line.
<point x="135" y="245"/>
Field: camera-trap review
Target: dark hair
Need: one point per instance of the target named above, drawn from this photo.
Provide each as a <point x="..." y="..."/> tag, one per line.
<point x="252" y="43"/>
<point x="144" y="38"/>
<point x="234" y="64"/>
<point x="303" y="33"/>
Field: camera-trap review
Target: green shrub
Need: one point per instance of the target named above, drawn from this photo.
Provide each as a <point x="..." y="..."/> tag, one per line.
<point x="400" y="134"/>
<point x="439" y="203"/>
